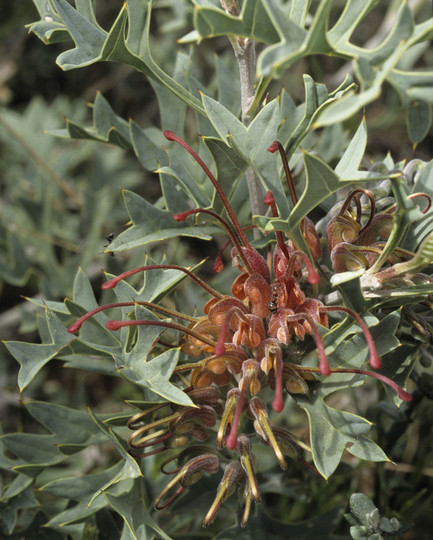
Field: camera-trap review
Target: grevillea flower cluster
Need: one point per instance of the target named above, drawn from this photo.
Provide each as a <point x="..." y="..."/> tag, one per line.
<point x="238" y="348"/>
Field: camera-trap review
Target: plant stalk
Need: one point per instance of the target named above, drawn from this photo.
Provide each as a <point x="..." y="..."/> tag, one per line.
<point x="245" y="54"/>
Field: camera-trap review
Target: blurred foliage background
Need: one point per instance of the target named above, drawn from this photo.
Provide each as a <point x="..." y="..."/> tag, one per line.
<point x="61" y="199"/>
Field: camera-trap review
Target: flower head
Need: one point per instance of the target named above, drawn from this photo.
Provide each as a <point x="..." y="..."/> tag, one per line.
<point x="238" y="349"/>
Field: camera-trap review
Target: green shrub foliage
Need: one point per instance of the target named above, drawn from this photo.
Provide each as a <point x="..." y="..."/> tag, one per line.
<point x="244" y="384"/>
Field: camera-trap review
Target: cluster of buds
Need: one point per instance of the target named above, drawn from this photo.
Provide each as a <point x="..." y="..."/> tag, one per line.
<point x="354" y="246"/>
<point x="239" y="348"/>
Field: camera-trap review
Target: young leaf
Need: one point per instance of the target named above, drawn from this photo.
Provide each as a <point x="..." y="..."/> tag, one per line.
<point x="32" y="357"/>
<point x="155" y="374"/>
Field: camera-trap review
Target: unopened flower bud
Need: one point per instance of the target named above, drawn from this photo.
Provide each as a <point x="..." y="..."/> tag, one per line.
<point x="244" y="450"/>
<point x="225" y="488"/>
<point x="264" y="429"/>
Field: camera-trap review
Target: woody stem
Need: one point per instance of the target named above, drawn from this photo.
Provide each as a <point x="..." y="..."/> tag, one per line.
<point x="245" y="54"/>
